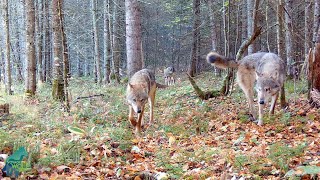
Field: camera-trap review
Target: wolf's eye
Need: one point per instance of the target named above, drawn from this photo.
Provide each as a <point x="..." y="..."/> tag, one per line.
<point x="142" y="100"/>
<point x="134" y="100"/>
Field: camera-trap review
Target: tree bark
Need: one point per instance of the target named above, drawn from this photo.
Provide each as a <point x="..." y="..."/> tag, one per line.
<point x="96" y="41"/>
<point x="133" y="37"/>
<point x="195" y="38"/>
<point x="280" y="46"/>
<point x="8" y="80"/>
<point x="39" y="27"/>
<point x="316" y="20"/>
<point x="250" y="23"/>
<point x="47" y="68"/>
<point x="107" y="42"/>
<point x="30" y="85"/>
<point x="307" y="27"/>
<point x="116" y="40"/>
<point x="289" y="36"/>
<point x="57" y="83"/>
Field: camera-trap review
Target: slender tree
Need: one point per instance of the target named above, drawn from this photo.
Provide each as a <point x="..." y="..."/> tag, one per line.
<point x="195" y="37"/>
<point x="316" y="19"/>
<point x="133" y="37"/>
<point x="250" y="23"/>
<point x="96" y="41"/>
<point x="57" y="83"/>
<point x="107" y="42"/>
<point x="116" y="39"/>
<point x="8" y="80"/>
<point x="30" y="84"/>
<point x="289" y="36"/>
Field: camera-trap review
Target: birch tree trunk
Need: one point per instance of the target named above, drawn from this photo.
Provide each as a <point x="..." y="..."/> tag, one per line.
<point x="133" y="37"/>
<point x="8" y="80"/>
<point x="47" y="69"/>
<point x="57" y="83"/>
<point x="30" y="85"/>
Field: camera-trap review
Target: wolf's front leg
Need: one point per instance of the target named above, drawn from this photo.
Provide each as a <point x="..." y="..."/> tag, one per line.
<point x="139" y="122"/>
<point x="273" y="103"/>
<point x="131" y="116"/>
<point x="151" y="100"/>
<point x="260" y="122"/>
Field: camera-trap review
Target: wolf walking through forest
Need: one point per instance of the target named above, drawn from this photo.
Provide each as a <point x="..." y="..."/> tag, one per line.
<point x="266" y="69"/>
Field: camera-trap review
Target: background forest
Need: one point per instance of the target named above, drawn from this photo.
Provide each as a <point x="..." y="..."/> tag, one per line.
<point x="64" y="66"/>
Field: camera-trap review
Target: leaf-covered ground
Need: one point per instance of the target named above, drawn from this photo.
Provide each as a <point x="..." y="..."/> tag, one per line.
<point x="191" y="139"/>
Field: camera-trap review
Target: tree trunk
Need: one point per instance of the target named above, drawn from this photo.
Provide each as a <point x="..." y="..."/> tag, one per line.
<point x="66" y="68"/>
<point x="280" y="45"/>
<point x="307" y="27"/>
<point x="195" y="38"/>
<point x="30" y="49"/>
<point x="47" y="69"/>
<point x="96" y="41"/>
<point x="315" y="74"/>
<point x="289" y="36"/>
<point x="116" y="40"/>
<point x="39" y="27"/>
<point x="133" y="37"/>
<point x="107" y="42"/>
<point x="316" y="20"/>
<point x="8" y="80"/>
<point x="250" y="23"/>
<point x="57" y="83"/>
<point x="17" y="49"/>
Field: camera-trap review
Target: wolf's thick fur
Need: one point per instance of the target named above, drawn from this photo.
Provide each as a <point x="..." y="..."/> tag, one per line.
<point x="141" y="88"/>
<point x="169" y="76"/>
<point x="266" y="69"/>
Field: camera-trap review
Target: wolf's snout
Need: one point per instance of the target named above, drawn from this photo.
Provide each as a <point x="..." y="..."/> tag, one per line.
<point x="261" y="102"/>
<point x="139" y="111"/>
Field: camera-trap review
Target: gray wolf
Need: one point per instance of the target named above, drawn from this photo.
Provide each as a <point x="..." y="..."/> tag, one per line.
<point x="169" y="76"/>
<point x="140" y="90"/>
<point x="266" y="69"/>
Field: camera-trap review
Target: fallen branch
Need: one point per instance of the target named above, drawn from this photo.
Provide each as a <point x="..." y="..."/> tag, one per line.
<point x="88" y="97"/>
<point x="202" y="95"/>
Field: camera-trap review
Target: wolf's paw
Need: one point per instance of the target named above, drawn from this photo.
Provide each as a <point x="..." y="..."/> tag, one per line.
<point x="260" y="123"/>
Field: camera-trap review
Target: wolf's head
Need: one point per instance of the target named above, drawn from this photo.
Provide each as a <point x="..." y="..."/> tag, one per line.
<point x="137" y="96"/>
<point x="266" y="87"/>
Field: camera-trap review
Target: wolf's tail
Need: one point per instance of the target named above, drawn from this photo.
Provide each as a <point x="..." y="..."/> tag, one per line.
<point x="221" y="61"/>
<point x="161" y="86"/>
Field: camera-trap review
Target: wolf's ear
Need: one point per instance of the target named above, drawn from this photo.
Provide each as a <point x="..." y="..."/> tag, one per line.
<point x="131" y="86"/>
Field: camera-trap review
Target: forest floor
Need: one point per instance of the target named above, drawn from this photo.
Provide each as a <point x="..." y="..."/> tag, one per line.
<point x="190" y="139"/>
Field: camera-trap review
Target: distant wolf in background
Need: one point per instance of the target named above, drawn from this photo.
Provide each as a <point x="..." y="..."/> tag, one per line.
<point x="266" y="69"/>
<point x="169" y="76"/>
<point x="141" y="88"/>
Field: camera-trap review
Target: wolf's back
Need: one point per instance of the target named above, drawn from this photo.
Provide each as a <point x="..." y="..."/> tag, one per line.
<point x="220" y="61"/>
